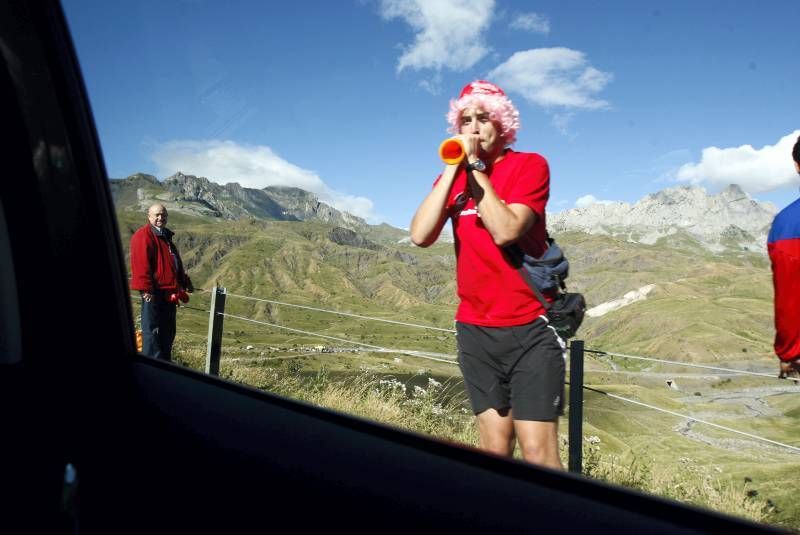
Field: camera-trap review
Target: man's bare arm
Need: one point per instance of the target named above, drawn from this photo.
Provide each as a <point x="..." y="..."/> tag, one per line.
<point x="431" y="215"/>
<point x="505" y="222"/>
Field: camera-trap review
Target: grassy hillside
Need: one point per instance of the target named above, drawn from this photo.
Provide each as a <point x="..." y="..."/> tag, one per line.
<point x="710" y="308"/>
<point x="705" y="308"/>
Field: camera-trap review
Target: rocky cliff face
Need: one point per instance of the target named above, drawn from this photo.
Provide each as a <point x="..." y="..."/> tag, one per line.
<point x="344" y="236"/>
<point x="199" y="195"/>
<point x="230" y="201"/>
<point x="127" y="191"/>
<point x="730" y="220"/>
<point x="304" y="205"/>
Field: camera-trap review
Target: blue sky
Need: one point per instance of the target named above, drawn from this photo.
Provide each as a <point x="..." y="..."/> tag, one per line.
<point x="347" y="98"/>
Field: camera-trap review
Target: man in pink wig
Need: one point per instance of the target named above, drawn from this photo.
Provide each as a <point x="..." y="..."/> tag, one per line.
<point x="511" y="360"/>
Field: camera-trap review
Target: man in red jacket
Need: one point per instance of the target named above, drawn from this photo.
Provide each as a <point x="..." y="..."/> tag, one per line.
<point x="784" y="254"/>
<point x="157" y="272"/>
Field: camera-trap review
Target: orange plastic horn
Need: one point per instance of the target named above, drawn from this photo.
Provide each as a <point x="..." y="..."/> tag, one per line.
<point x="451" y="151"/>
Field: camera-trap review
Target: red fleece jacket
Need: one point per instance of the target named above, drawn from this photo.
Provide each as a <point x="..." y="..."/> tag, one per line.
<point x="152" y="263"/>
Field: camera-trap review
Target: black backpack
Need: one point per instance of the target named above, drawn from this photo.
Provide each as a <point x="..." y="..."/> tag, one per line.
<point x="547" y="273"/>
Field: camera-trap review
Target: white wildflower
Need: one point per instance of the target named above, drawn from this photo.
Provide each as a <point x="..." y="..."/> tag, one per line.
<point x="392" y="384"/>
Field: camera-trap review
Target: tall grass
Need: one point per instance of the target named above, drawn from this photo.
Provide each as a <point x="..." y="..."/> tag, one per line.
<point x="440" y="410"/>
<point x="688" y="482"/>
<point x="433" y="410"/>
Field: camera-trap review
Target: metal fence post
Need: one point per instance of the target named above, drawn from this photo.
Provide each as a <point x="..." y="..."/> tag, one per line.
<point x="576" y="406"/>
<point x="215" y="318"/>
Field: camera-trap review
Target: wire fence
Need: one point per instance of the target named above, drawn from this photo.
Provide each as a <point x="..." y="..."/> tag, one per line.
<point x="693" y="419"/>
<point x="380" y="349"/>
<point x="345" y="314"/>
<point x="593" y="351"/>
<point x="732" y="371"/>
<point x="451" y="359"/>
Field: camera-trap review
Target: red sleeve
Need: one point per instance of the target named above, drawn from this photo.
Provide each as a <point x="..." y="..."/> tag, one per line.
<point x="532" y="187"/>
<point x="141" y="276"/>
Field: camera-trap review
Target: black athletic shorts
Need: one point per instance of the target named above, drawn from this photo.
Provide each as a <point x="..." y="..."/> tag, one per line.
<point x="521" y="368"/>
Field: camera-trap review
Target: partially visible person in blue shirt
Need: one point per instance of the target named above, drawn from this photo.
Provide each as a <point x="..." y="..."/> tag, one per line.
<point x="784" y="254"/>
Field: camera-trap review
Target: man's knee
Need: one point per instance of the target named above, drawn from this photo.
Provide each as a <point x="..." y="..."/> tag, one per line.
<point x="536" y="452"/>
<point x="538" y="441"/>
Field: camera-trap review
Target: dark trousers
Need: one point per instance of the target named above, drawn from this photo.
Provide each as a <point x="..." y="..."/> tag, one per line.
<point x="158" y="327"/>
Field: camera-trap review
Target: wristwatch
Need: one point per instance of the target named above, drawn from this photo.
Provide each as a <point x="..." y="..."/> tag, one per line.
<point x="477" y="165"/>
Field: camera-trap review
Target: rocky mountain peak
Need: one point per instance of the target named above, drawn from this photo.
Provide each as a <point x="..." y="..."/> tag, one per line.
<point x="142" y="177"/>
<point x="733" y="191"/>
<point x="200" y="195"/>
<point x="728" y="220"/>
<point x="291" y="191"/>
<point x="304" y="205"/>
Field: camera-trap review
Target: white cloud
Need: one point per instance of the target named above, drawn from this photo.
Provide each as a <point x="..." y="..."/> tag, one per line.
<point x="755" y="170"/>
<point x="433" y="85"/>
<point x="531" y="22"/>
<point x="588" y="200"/>
<point x="252" y="166"/>
<point x="553" y="77"/>
<point x="561" y="122"/>
<point x="449" y="33"/>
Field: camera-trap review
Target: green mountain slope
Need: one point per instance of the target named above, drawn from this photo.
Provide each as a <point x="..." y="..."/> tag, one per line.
<point x="704" y="307"/>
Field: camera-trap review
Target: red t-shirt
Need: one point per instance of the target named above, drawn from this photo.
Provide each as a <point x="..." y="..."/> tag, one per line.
<point x="492" y="291"/>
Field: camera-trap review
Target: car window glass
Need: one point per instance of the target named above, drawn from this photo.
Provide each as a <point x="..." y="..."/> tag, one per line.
<point x="10" y="345"/>
<point x="289" y="146"/>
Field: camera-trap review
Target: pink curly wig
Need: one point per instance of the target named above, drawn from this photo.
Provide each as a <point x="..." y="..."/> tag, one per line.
<point x="490" y="98"/>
